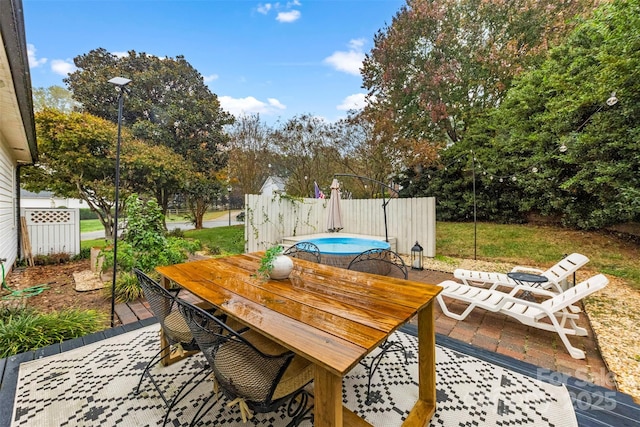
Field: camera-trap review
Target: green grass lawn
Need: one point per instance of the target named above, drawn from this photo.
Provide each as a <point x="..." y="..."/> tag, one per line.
<point x="88" y="225"/>
<point x="539" y="245"/>
<point x="223" y="240"/>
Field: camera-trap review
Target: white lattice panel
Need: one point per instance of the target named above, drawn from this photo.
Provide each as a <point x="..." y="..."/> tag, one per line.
<point x="54" y="216"/>
<point x="53" y="230"/>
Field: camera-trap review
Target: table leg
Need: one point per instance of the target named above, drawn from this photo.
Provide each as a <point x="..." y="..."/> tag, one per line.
<point x="327" y="399"/>
<point x="426" y="404"/>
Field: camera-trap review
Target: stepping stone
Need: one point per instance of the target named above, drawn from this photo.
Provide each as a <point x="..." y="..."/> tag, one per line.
<point x="87" y="281"/>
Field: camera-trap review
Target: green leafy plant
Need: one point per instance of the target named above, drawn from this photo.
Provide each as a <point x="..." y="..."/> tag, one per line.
<point x="127" y="288"/>
<point x="145" y="246"/>
<point x="266" y="262"/>
<point x="24" y="329"/>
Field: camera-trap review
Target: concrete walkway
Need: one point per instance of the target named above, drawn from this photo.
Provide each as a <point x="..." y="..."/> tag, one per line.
<point x="489" y="331"/>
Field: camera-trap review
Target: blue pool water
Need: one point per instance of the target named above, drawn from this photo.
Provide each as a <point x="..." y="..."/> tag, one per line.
<point x="347" y="245"/>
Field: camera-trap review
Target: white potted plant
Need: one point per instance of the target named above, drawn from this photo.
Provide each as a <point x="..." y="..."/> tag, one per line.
<point x="274" y="264"/>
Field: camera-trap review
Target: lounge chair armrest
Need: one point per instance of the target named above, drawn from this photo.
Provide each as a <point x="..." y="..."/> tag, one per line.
<point x="524" y="269"/>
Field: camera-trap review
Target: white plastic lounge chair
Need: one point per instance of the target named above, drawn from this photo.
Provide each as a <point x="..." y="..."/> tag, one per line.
<point x="552" y="314"/>
<point x="555" y="275"/>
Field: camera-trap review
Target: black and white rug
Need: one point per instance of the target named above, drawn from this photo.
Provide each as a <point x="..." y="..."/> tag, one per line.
<point x="93" y="386"/>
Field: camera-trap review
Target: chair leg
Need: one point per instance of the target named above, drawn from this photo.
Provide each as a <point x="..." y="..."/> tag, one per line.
<point x="177" y="397"/>
<point x="152" y="362"/>
<point x="576" y="353"/>
<point x="298" y="410"/>
<point x="200" y="413"/>
<point x="453" y="315"/>
<point x="386" y="347"/>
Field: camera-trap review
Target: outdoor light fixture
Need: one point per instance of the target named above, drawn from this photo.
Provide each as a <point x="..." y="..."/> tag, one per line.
<point x="229" y="197"/>
<point x="610" y="102"/>
<point x="416" y="257"/>
<point x="120" y="83"/>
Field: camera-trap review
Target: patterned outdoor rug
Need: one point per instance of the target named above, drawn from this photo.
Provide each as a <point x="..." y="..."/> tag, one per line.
<point x="93" y="385"/>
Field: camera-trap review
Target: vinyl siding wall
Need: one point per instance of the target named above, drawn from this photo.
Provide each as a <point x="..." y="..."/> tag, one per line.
<point x="8" y="220"/>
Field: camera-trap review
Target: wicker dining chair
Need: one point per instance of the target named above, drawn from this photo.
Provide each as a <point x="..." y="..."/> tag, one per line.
<point x="383" y="262"/>
<point x="175" y="329"/>
<point x="304" y="250"/>
<point x="250" y="369"/>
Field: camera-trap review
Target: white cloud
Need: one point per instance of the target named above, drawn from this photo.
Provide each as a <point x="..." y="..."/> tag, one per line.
<point x="210" y="78"/>
<point x="250" y="105"/>
<point x="276" y="104"/>
<point x="264" y="8"/>
<point x="120" y="54"/>
<point x="286" y="13"/>
<point x="350" y="61"/>
<point x="62" y="67"/>
<point x="356" y="101"/>
<point x="291" y="16"/>
<point x="31" y="54"/>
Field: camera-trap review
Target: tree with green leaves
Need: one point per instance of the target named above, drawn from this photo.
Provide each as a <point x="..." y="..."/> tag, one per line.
<point x="168" y="105"/>
<point x="575" y="122"/>
<point x="77" y="159"/>
<point x="442" y="62"/>
<point x="435" y="75"/>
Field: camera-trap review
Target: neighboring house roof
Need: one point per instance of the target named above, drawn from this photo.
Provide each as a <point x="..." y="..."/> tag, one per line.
<point x="16" y="103"/>
<point x="273" y="184"/>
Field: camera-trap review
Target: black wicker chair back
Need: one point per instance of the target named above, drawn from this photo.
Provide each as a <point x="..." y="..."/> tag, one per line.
<point x="249" y="367"/>
<point x="176" y="332"/>
<point x="304" y="250"/>
<point x="384" y="262"/>
<point x="163" y="305"/>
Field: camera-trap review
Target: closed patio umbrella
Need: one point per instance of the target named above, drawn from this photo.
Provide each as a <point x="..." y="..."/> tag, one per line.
<point x="334" y="220"/>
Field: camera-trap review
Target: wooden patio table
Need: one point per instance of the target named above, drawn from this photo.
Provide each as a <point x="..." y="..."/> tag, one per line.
<point x="330" y="316"/>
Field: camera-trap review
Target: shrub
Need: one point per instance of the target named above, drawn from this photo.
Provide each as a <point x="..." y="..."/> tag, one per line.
<point x="85" y="253"/>
<point x="86" y="213"/>
<point x="127" y="287"/>
<point x="24" y="329"/>
<point x="52" y="259"/>
<point x="176" y="232"/>
<point x="144" y="244"/>
<point x="214" y="249"/>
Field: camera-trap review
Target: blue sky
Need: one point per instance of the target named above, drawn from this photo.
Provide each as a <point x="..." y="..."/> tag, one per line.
<point x="276" y="59"/>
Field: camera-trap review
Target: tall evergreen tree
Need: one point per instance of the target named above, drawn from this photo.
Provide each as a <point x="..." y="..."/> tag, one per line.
<point x="168" y="104"/>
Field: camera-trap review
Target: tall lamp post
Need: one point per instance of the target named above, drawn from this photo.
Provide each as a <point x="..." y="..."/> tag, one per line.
<point x="229" y="198"/>
<point x="121" y="84"/>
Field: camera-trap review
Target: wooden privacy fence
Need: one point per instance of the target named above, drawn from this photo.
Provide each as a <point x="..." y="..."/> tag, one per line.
<point x="271" y="218"/>
<point x="51" y="230"/>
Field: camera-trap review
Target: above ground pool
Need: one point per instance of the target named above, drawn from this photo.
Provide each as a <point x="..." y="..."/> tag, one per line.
<point x="347" y="245"/>
<point x="338" y="250"/>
